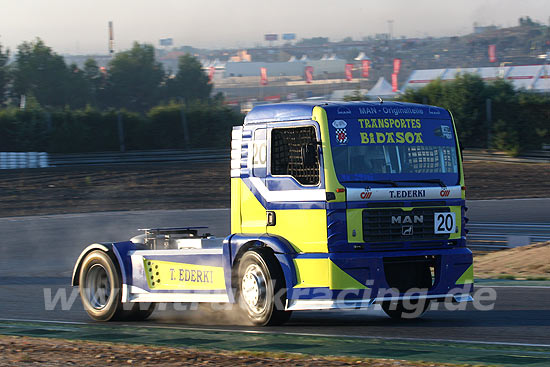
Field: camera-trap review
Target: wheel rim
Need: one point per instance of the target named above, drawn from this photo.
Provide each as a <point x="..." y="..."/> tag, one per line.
<point x="253" y="287"/>
<point x="98" y="287"/>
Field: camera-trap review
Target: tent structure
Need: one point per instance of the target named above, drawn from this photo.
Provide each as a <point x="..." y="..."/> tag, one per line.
<point x="533" y="78"/>
<point x="382" y="89"/>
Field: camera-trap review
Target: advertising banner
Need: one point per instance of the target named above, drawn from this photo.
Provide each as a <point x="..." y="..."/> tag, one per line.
<point x="211" y="71"/>
<point x="263" y="76"/>
<point x="396" y="66"/>
<point x="365" y="66"/>
<point x="309" y="74"/>
<point x="492" y="53"/>
<point x="394" y="82"/>
<point x="349" y="72"/>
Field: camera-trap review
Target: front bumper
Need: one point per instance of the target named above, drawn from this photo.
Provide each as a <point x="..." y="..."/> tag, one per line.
<point x="452" y="279"/>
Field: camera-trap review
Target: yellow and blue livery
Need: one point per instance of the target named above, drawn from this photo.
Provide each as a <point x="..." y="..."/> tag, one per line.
<point x="333" y="205"/>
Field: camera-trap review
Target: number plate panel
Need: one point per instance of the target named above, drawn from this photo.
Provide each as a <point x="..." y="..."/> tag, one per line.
<point x="444" y="223"/>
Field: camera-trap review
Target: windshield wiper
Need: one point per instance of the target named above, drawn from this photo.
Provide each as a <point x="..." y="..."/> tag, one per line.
<point x="437" y="181"/>
<point x="387" y="182"/>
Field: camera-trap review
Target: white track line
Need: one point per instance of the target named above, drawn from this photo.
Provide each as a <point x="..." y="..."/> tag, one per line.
<point x="512" y="286"/>
<point x="292" y="334"/>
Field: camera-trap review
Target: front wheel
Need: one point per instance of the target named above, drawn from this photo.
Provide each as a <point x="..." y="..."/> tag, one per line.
<point x="261" y="288"/>
<point x="412" y="310"/>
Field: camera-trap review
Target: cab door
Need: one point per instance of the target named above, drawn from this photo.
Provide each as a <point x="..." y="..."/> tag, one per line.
<point x="295" y="186"/>
<point x="253" y="211"/>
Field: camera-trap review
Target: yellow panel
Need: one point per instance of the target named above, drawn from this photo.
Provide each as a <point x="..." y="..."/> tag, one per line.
<point x="166" y="275"/>
<point x="311" y="273"/>
<point x="236" y="205"/>
<point x="323" y="273"/>
<point x="342" y="280"/>
<point x="467" y="277"/>
<point x="355" y="222"/>
<point x="253" y="215"/>
<point x="305" y="229"/>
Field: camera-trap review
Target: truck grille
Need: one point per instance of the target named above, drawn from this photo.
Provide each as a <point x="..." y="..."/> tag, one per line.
<point x="392" y="225"/>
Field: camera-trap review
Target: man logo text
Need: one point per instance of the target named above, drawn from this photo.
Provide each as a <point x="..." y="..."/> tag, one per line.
<point x="407" y="219"/>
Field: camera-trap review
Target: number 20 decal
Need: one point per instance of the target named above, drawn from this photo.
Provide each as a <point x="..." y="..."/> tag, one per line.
<point x="444" y="223"/>
<point x="259" y="153"/>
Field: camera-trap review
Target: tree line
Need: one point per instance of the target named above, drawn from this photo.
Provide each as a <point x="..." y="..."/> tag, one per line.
<point x="92" y="108"/>
<point x="133" y="79"/>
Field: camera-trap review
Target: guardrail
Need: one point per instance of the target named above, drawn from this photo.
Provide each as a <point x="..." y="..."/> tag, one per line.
<point x="15" y="160"/>
<point x="499" y="236"/>
<point x="489" y="155"/>
<point x="141" y="156"/>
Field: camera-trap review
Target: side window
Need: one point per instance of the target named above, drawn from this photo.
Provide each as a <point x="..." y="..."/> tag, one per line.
<point x="259" y="153"/>
<point x="287" y="154"/>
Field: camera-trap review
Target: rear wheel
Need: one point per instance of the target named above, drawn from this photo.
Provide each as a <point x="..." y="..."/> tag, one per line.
<point x="138" y="312"/>
<point x="260" y="288"/>
<point x="101" y="293"/>
<point x="100" y="287"/>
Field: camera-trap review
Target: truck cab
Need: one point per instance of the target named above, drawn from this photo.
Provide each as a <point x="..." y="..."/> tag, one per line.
<point x="333" y="206"/>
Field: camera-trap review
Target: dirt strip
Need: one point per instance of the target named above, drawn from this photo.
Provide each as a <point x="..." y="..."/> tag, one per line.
<point x="523" y="263"/>
<point x="26" y="351"/>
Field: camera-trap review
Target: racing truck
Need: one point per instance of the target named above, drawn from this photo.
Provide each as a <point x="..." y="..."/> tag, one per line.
<point x="333" y="206"/>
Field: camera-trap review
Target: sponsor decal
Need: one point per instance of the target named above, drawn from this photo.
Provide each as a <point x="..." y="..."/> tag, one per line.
<point x="343" y="111"/>
<point x="166" y="275"/>
<point x="402" y="193"/>
<point x="444" y="131"/>
<point x="341" y="133"/>
<point x="339" y="124"/>
<point x="433" y="111"/>
<point x="366" y="194"/>
<point x="391" y="137"/>
<point x="407" y="194"/>
<point x="191" y="275"/>
<point x="367" y="110"/>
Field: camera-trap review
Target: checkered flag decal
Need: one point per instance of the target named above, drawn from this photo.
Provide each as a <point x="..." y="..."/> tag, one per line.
<point x="341" y="136"/>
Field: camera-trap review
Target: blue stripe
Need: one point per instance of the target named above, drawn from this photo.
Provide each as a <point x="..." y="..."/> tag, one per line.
<point x="336" y="205"/>
<point x="187" y="291"/>
<point x="406" y="204"/>
<point x="282" y="205"/>
<point x="191" y="259"/>
<point x="320" y="255"/>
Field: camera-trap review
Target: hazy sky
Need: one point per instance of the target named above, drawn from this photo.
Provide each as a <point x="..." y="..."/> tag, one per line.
<point x="80" y="26"/>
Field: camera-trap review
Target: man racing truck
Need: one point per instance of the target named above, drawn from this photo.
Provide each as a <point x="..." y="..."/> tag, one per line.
<point x="333" y="206"/>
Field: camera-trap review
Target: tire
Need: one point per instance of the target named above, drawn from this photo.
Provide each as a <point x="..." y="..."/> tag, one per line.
<point x="261" y="288"/>
<point x="100" y="287"/>
<point x="397" y="310"/>
<point x="422" y="279"/>
<point x="138" y="312"/>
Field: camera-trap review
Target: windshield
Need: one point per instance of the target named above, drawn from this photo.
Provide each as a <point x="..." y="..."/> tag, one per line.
<point x="410" y="152"/>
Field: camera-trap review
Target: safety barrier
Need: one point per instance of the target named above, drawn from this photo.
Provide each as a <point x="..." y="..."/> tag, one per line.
<point x="14" y="160"/>
<point x="141" y="156"/>
<point x="499" y="236"/>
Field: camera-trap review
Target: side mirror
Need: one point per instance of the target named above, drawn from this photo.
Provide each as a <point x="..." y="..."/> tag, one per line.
<point x="309" y="154"/>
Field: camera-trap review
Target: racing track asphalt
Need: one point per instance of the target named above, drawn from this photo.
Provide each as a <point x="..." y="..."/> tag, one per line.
<point x="38" y="253"/>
